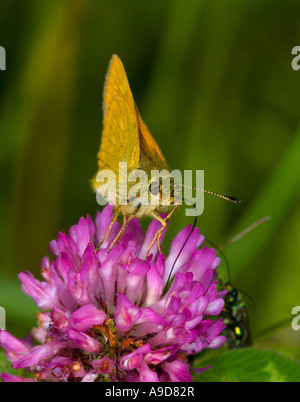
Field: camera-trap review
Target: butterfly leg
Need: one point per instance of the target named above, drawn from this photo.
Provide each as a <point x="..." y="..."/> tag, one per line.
<point x="159" y="232"/>
<point x="125" y="223"/>
<point x="115" y="217"/>
<point x="122" y="230"/>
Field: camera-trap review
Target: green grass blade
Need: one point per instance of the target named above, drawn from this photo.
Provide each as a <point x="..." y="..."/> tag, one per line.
<point x="277" y="197"/>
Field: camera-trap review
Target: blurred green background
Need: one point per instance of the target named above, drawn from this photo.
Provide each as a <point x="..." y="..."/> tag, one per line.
<point x="214" y="83"/>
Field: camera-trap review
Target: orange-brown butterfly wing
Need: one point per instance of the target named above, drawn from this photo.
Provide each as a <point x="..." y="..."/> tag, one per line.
<point x="119" y="138"/>
<point x="120" y="135"/>
<point x="125" y="137"/>
<point x="150" y="151"/>
<point x="117" y="85"/>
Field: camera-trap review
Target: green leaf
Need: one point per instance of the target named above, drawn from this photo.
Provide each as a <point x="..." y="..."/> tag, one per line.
<point x="248" y="365"/>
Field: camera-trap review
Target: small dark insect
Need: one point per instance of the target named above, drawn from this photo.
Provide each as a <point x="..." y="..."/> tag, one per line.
<point x="235" y="317"/>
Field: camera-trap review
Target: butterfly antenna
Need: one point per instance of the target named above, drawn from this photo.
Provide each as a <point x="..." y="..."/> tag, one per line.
<point x="184" y="244"/>
<point x="225" y="197"/>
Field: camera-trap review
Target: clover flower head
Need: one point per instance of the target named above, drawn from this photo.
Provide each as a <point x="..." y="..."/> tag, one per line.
<point x="113" y="316"/>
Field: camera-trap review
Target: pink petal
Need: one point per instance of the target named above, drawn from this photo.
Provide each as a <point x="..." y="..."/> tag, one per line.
<point x="38" y="353"/>
<point x="59" y="318"/>
<point x="44" y="294"/>
<point x="126" y="313"/>
<point x="14" y="348"/>
<point x="84" y="236"/>
<point x="135" y="280"/>
<point x="154" y="286"/>
<point x="134" y="359"/>
<point x="154" y="226"/>
<point x="177" y="371"/>
<point x="14" y="378"/>
<point x="86" y="317"/>
<point x="108" y="273"/>
<point x="103" y="221"/>
<point x="217" y="342"/>
<point x="193" y="243"/>
<point x="84" y="341"/>
<point x="146" y="374"/>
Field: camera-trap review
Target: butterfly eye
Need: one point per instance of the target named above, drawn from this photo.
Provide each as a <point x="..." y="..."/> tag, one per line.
<point x="154" y="188"/>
